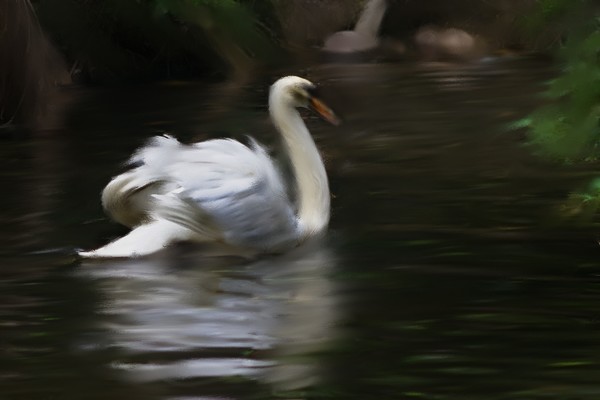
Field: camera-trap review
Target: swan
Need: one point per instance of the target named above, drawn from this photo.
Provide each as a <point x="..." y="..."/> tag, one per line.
<point x="364" y="36"/>
<point x="222" y="191"/>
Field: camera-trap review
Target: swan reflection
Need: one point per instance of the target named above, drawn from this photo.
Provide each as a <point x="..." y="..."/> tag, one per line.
<point x="191" y="316"/>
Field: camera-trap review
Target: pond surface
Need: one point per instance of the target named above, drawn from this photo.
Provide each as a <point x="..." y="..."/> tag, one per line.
<point x="447" y="272"/>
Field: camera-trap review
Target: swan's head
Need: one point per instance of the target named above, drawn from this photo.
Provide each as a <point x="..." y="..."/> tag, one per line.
<point x="294" y="92"/>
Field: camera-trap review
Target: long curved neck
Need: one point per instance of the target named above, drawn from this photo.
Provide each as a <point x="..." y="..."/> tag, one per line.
<point x="370" y="18"/>
<point x="311" y="179"/>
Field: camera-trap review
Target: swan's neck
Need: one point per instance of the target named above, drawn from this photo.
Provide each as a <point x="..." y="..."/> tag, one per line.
<point x="370" y="18"/>
<point x="312" y="188"/>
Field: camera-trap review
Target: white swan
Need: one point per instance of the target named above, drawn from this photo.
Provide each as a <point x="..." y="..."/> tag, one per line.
<point x="222" y="190"/>
<point x="364" y="36"/>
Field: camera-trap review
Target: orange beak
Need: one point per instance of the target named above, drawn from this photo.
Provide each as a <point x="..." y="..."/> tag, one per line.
<point x="323" y="110"/>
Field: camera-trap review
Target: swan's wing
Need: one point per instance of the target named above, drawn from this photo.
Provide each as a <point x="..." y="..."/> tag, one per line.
<point x="222" y="186"/>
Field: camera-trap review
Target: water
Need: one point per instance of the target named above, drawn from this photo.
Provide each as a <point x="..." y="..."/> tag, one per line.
<point x="446" y="274"/>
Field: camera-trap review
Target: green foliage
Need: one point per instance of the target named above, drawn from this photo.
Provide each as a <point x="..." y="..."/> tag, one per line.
<point x="551" y="9"/>
<point x="567" y="127"/>
<point x="584" y="205"/>
<point x="551" y="14"/>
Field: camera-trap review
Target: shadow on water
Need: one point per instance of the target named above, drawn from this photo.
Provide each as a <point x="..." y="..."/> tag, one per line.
<point x="446" y="274"/>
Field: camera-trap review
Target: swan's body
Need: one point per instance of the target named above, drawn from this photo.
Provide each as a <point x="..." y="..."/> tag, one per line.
<point x="222" y="190"/>
<point x="364" y="36"/>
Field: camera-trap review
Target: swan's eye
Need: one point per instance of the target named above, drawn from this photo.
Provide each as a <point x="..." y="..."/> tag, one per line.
<point x="312" y="91"/>
<point x="303" y="93"/>
<point x="300" y="95"/>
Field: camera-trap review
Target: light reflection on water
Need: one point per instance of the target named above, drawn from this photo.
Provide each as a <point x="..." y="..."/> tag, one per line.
<point x="184" y="317"/>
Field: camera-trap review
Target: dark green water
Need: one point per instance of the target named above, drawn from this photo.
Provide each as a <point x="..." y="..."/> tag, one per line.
<point x="447" y="273"/>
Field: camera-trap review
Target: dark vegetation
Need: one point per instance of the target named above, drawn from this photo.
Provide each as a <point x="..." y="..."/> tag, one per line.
<point x="30" y="67"/>
<point x="108" y="41"/>
<point x="567" y="126"/>
<point x="131" y="41"/>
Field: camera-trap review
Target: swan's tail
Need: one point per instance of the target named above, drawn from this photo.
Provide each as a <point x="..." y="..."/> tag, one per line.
<point x="128" y="197"/>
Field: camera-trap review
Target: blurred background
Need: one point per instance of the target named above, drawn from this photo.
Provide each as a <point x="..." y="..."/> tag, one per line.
<point x="462" y="261"/>
<point x="87" y="42"/>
